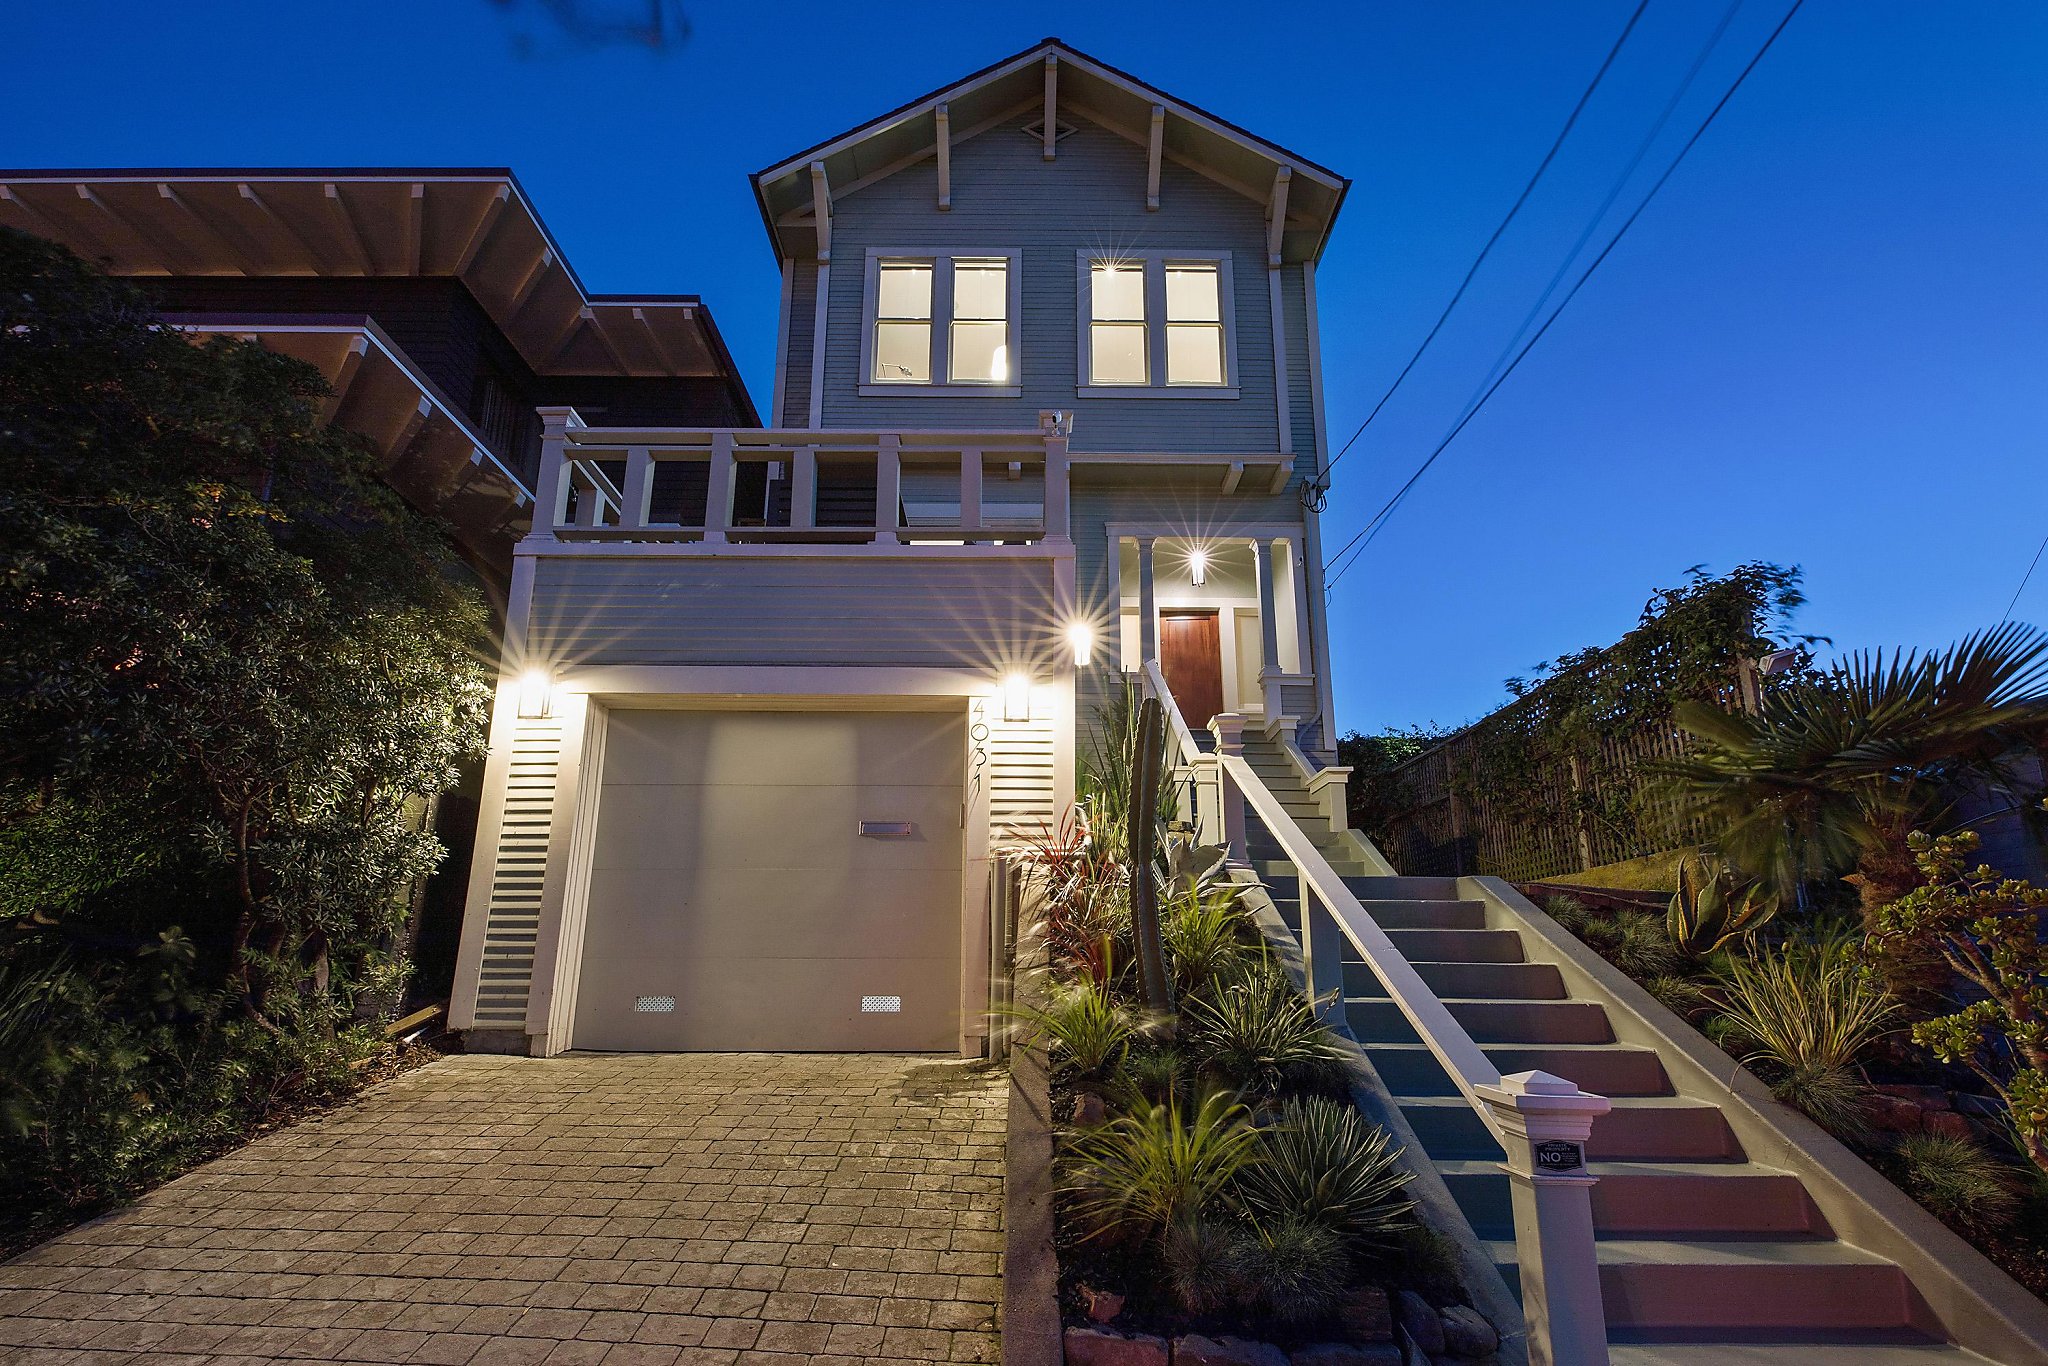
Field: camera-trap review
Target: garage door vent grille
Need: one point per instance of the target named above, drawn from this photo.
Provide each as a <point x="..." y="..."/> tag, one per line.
<point x="654" y="1005"/>
<point x="881" y="1005"/>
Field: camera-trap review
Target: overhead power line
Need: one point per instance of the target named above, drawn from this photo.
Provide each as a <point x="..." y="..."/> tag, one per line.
<point x="1356" y="545"/>
<point x="2024" y="580"/>
<point x="1486" y="250"/>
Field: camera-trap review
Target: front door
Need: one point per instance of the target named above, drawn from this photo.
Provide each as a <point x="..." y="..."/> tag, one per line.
<point x="1191" y="657"/>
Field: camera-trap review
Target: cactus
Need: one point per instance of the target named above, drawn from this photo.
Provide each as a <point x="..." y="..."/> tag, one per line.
<point x="1713" y="908"/>
<point x="1154" y="983"/>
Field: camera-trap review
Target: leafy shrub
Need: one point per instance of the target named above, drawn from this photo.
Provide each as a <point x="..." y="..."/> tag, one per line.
<point x="1988" y="931"/>
<point x="1293" y="1267"/>
<point x="1087" y="1029"/>
<point x="1143" y="1172"/>
<point x="1258" y="1035"/>
<point x="1811" y="1010"/>
<point x="1203" y="930"/>
<point x="1324" y="1163"/>
<point x="1959" y="1182"/>
<point x="1151" y="1076"/>
<point x="1202" y="1259"/>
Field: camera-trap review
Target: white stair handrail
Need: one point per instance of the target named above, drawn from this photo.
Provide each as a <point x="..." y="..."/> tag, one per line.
<point x="1467" y="1063"/>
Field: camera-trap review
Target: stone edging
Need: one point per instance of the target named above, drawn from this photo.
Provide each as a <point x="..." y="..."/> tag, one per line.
<point x="1031" y="1272"/>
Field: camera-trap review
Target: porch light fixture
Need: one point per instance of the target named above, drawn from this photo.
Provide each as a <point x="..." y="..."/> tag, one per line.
<point x="536" y="694"/>
<point x="1198" y="567"/>
<point x="1017" y="697"/>
<point x="1082" y="638"/>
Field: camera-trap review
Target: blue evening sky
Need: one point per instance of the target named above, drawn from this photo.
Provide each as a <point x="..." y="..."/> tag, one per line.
<point x="1825" y="344"/>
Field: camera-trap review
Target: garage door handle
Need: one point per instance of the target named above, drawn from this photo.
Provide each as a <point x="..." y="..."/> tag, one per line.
<point x="881" y="829"/>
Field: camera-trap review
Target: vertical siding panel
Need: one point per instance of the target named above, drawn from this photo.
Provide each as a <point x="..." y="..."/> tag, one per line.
<point x="512" y="918"/>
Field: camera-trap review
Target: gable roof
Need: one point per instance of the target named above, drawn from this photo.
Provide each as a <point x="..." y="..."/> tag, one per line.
<point x="1097" y="91"/>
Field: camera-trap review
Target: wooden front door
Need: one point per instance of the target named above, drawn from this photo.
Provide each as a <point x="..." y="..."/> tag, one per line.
<point x="1191" y="657"/>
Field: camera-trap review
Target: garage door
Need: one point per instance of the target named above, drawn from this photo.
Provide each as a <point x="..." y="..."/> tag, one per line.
<point x="775" y="881"/>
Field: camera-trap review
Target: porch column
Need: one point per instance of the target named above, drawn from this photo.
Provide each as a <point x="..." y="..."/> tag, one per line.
<point x="888" y="488"/>
<point x="1148" y="605"/>
<point x="1269" y="621"/>
<point x="718" y="489"/>
<point x="1297" y="581"/>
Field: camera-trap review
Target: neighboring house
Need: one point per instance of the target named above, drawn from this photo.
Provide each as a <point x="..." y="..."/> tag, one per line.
<point x="434" y="301"/>
<point x="1047" y="404"/>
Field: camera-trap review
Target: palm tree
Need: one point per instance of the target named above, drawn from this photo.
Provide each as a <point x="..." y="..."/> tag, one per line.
<point x="1835" y="769"/>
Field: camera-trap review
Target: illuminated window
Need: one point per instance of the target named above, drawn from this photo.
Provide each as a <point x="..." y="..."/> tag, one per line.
<point x="1194" y="323"/>
<point x="903" y="323"/>
<point x="941" y="323"/>
<point x="1116" y="329"/>
<point x="1157" y="321"/>
<point x="981" y="326"/>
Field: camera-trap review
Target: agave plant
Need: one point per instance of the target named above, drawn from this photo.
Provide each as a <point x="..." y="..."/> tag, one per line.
<point x="1326" y="1164"/>
<point x="1834" y="771"/>
<point x="1706" y="913"/>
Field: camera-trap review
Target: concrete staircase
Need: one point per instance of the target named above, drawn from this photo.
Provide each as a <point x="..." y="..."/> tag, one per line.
<point x="1705" y="1255"/>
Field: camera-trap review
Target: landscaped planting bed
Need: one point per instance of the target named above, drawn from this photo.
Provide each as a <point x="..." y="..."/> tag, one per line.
<point x="1219" y="1198"/>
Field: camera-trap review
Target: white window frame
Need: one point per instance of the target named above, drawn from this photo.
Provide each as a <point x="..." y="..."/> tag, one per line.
<point x="1154" y="263"/>
<point x="941" y="259"/>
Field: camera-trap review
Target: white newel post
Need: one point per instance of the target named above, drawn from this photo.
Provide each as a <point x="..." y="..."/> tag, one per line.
<point x="718" y="489"/>
<point x="1545" y="1122"/>
<point x="888" y="488"/>
<point x="1148" y="605"/>
<point x="1228" y="728"/>
<point x="551" y="485"/>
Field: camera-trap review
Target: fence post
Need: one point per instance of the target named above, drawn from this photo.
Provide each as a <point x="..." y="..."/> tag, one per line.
<point x="1544" y="1123"/>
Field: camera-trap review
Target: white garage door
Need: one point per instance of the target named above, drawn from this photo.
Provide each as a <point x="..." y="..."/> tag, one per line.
<point x="775" y="881"/>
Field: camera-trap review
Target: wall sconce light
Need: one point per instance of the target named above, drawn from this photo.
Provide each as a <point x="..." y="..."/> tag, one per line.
<point x="536" y="694"/>
<point x="1198" y="567"/>
<point x="1017" y="697"/>
<point x="1082" y="638"/>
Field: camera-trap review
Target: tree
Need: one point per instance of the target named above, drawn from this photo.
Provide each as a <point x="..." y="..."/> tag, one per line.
<point x="1836" y="769"/>
<point x="230" y="657"/>
<point x="1989" y="931"/>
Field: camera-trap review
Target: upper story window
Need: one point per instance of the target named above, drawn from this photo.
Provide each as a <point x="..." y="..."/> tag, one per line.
<point x="1158" y="322"/>
<point x="941" y="323"/>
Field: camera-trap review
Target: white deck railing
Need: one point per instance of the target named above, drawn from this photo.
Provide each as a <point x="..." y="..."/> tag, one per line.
<point x="803" y="486"/>
<point x="1542" y="1122"/>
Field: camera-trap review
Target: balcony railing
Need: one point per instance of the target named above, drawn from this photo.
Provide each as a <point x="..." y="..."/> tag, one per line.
<point x="721" y="485"/>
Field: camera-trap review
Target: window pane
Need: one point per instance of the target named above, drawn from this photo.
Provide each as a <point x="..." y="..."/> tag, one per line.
<point x="903" y="353"/>
<point x="1116" y="353"/>
<point x="980" y="354"/>
<point x="1191" y="294"/>
<point x="1194" y="353"/>
<point x="981" y="289"/>
<point x="904" y="290"/>
<point x="1119" y="291"/>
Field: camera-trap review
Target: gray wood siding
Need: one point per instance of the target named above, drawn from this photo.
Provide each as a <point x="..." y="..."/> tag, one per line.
<point x="796" y="383"/>
<point x="1301" y="413"/>
<point x="935" y="612"/>
<point x="1091" y="198"/>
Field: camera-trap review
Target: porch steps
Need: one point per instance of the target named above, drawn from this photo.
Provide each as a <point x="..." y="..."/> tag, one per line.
<point x="1705" y="1256"/>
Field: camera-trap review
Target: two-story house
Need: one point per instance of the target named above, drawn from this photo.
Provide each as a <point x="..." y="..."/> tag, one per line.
<point x="1046" y="405"/>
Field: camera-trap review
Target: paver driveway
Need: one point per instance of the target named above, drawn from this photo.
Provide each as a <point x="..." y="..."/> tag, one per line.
<point x="599" y="1208"/>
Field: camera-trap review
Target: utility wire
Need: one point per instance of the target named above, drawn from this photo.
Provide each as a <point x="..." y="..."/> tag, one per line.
<point x="1621" y="181"/>
<point x="2024" y="580"/>
<point x="1484" y="251"/>
<point x="1365" y="534"/>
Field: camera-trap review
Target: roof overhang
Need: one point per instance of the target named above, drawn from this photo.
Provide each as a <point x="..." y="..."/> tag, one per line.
<point x="1116" y="100"/>
<point x="476" y="225"/>
<point x="428" y="453"/>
